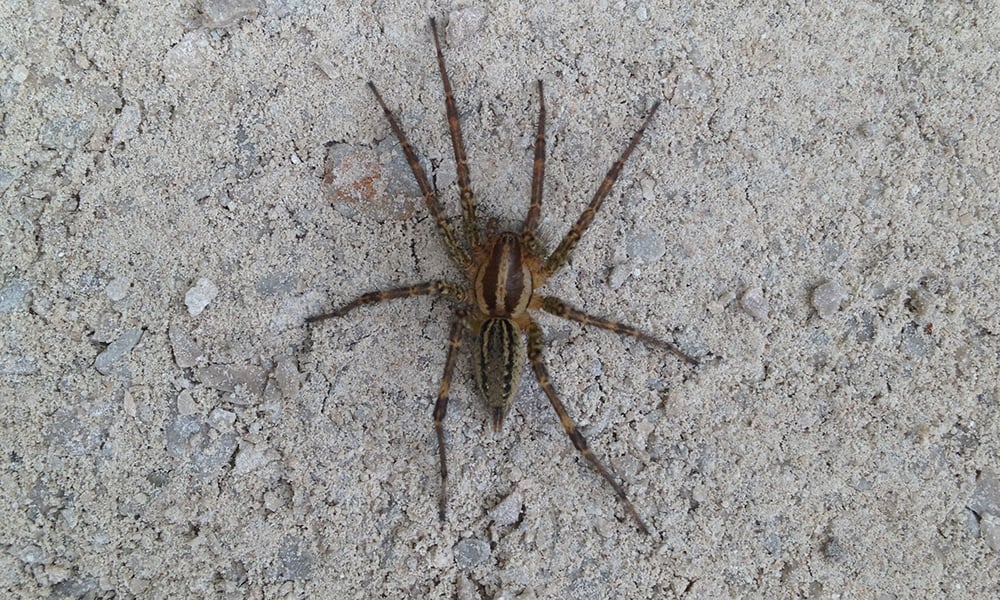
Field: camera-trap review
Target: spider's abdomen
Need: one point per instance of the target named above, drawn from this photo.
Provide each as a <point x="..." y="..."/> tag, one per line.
<point x="503" y="281"/>
<point x="499" y="361"/>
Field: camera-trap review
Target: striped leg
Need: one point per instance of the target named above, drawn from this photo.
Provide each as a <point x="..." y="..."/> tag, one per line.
<point x="541" y="373"/>
<point x="431" y="288"/>
<point x="558" y="258"/>
<point x="457" y="253"/>
<point x="530" y="229"/>
<point x="469" y="222"/>
<point x="458" y="322"/>
<point x="551" y="304"/>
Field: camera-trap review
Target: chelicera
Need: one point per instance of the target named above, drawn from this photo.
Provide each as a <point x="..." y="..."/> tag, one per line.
<point x="503" y="273"/>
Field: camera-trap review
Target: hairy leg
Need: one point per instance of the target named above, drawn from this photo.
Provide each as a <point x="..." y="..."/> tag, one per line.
<point x="534" y="333"/>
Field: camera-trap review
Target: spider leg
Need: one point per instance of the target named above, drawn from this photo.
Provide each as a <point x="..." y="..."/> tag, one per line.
<point x="534" y="333"/>
<point x="469" y="222"/>
<point x="558" y="258"/>
<point x="431" y="288"/>
<point x="555" y="306"/>
<point x="530" y="229"/>
<point x="457" y="253"/>
<point x="458" y="322"/>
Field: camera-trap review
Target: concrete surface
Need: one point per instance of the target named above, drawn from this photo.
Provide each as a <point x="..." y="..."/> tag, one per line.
<point x="814" y="211"/>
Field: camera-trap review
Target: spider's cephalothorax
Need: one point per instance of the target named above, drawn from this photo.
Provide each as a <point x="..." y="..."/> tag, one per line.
<point x="503" y="274"/>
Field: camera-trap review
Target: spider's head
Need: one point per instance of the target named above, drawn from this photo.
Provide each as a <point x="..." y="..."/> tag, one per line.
<point x="499" y="361"/>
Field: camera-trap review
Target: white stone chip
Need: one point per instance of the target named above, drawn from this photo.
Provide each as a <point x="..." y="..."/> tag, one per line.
<point x="198" y="297"/>
<point x="754" y="302"/>
<point x="827" y="298"/>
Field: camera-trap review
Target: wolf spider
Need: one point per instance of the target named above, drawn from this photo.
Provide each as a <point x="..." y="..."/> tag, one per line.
<point x="503" y="272"/>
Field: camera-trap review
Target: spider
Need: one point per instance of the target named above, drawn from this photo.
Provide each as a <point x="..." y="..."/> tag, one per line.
<point x="503" y="273"/>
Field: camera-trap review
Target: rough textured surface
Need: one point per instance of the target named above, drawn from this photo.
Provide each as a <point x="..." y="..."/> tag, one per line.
<point x="150" y="451"/>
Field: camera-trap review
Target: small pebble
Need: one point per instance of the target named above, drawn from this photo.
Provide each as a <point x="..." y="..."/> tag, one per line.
<point x="619" y="273"/>
<point x="32" y="554"/>
<point x="276" y="283"/>
<point x="295" y="563"/>
<point x="286" y="372"/>
<point x="186" y="404"/>
<point x="116" y="351"/>
<point x="138" y="586"/>
<point x="465" y="589"/>
<point x="827" y="298"/>
<point x="57" y="573"/>
<point x="471" y="552"/>
<point x="985" y="498"/>
<point x="178" y="435"/>
<point x="915" y="342"/>
<point x="117" y="289"/>
<point x="834" y="550"/>
<point x="220" y="14"/>
<point x="209" y="460"/>
<point x="465" y="24"/>
<point x="198" y="297"/>
<point x="273" y="501"/>
<point x="646" y="248"/>
<point x="989" y="528"/>
<point x="19" y="73"/>
<point x="249" y="459"/>
<point x="648" y="187"/>
<point x="187" y="58"/>
<point x="719" y="305"/>
<point x="128" y="404"/>
<point x="596" y="368"/>
<point x="101" y="538"/>
<point x="754" y="302"/>
<point x="228" y="378"/>
<point x="186" y="351"/>
<point x="7" y="177"/>
<point x="67" y="133"/>
<point x="70" y="517"/>
<point x="127" y="126"/>
<point x="221" y="419"/>
<point x="14" y="295"/>
<point x="508" y="511"/>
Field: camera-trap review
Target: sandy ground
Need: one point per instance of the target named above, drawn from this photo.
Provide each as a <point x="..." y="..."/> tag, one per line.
<point x="814" y="211"/>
